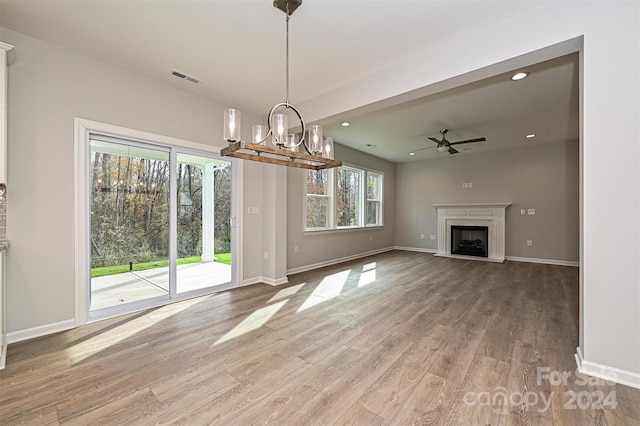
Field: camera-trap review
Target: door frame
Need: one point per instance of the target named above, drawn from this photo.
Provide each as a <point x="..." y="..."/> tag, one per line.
<point x="82" y="272"/>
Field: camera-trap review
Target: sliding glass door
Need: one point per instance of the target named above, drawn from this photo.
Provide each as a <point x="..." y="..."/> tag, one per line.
<point x="129" y="223"/>
<point x="160" y="224"/>
<point x="203" y="222"/>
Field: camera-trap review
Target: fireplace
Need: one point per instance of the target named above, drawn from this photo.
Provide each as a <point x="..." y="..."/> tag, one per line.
<point x="469" y="217"/>
<point x="470" y="240"/>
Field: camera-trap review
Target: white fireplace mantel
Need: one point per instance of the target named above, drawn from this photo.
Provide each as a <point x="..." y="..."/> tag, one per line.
<point x="491" y="215"/>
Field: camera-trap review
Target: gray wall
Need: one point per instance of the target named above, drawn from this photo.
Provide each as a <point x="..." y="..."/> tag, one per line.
<point x="543" y="177"/>
<point x="317" y="248"/>
<point x="48" y="87"/>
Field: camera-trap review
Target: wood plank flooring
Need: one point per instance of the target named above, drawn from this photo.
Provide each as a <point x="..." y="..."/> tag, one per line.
<point x="397" y="338"/>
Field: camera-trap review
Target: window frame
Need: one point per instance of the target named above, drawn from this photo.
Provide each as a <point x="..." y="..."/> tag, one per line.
<point x="333" y="208"/>
<point x="328" y="196"/>
<point x="378" y="200"/>
<point x="359" y="208"/>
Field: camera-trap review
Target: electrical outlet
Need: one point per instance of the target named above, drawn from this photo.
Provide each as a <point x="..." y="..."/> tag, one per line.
<point x="531" y="211"/>
<point x="529" y="243"/>
<point x="465" y="185"/>
<point x="470" y="185"/>
<point x="370" y="237"/>
<point x="296" y="249"/>
<point x="433" y="237"/>
<point x="422" y="236"/>
<point x="266" y="255"/>
<point x="523" y="211"/>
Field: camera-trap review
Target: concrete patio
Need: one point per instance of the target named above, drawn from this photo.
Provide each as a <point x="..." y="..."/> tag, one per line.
<point x="118" y="289"/>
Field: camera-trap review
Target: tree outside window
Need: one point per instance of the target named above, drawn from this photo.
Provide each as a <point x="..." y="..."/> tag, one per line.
<point x="348" y="197"/>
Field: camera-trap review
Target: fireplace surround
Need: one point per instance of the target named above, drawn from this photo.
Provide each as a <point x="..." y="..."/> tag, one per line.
<point x="490" y="215"/>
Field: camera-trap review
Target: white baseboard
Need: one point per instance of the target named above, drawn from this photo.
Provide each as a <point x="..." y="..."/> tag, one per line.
<point x="545" y="261"/>
<point x="250" y="281"/>
<point x="41" y="330"/>
<point x="610" y="374"/>
<point x="421" y="250"/>
<point x="418" y="249"/>
<point x="265" y="280"/>
<point x="3" y="355"/>
<point x="273" y="282"/>
<point x="511" y="258"/>
<point x="335" y="261"/>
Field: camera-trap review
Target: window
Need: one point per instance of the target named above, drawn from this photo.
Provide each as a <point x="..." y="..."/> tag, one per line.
<point x="344" y="197"/>
<point x="348" y="197"/>
<point x="318" y="199"/>
<point x="374" y="197"/>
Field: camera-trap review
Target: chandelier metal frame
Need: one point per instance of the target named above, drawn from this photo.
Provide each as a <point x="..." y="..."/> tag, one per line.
<point x="281" y="154"/>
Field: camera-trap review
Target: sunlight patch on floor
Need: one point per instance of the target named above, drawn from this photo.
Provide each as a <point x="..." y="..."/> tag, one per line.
<point x="367" y="278"/>
<point x="110" y="337"/>
<point x="369" y="266"/>
<point x="254" y="321"/>
<point x="330" y="287"/>
<point x="368" y="274"/>
<point x="286" y="292"/>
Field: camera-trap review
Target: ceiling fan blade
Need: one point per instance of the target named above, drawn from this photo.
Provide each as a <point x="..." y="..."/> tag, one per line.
<point x="452" y="150"/>
<point x="422" y="149"/>
<point x="435" y="140"/>
<point x="469" y="141"/>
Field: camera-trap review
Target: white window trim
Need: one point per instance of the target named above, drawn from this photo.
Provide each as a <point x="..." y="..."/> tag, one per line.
<point x="329" y="195"/>
<point x="380" y="198"/>
<point x="333" y="228"/>
<point x="361" y="213"/>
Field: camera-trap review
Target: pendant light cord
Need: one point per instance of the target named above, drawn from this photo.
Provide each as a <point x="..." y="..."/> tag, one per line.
<point x="287" y="55"/>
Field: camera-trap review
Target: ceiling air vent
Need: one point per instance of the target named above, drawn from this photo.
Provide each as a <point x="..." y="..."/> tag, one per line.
<point x="184" y="76"/>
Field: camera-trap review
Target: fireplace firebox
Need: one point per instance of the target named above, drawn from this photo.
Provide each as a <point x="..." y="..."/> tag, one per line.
<point x="470" y="240"/>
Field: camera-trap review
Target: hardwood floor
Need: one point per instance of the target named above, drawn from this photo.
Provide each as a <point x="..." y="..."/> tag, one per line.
<point x="397" y="338"/>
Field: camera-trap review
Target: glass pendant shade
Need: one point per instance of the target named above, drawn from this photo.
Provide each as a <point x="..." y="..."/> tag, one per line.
<point x="232" y="125"/>
<point x="258" y="133"/>
<point x="292" y="140"/>
<point x="327" y="149"/>
<point x="315" y="139"/>
<point x="280" y="129"/>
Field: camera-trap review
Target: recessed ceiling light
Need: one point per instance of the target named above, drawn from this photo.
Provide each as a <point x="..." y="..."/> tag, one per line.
<point x="519" y="75"/>
<point x="412" y="153"/>
<point x="345" y="124"/>
<point x="531" y="135"/>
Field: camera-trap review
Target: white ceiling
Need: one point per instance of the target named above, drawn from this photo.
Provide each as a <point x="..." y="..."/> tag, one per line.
<point x="237" y="48"/>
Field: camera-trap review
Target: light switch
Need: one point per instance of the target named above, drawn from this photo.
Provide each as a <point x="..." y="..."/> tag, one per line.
<point x="523" y="211"/>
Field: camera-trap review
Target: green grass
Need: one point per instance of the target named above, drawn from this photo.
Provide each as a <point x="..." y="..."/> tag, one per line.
<point x="223" y="258"/>
<point x="119" y="269"/>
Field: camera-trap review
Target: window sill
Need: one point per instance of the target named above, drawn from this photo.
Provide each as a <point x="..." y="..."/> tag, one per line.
<point x="308" y="232"/>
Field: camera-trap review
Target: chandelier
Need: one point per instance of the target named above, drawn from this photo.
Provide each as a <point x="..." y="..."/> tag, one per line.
<point x="307" y="150"/>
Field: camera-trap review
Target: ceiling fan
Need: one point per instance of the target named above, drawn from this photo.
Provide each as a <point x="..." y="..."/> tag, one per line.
<point x="444" y="145"/>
